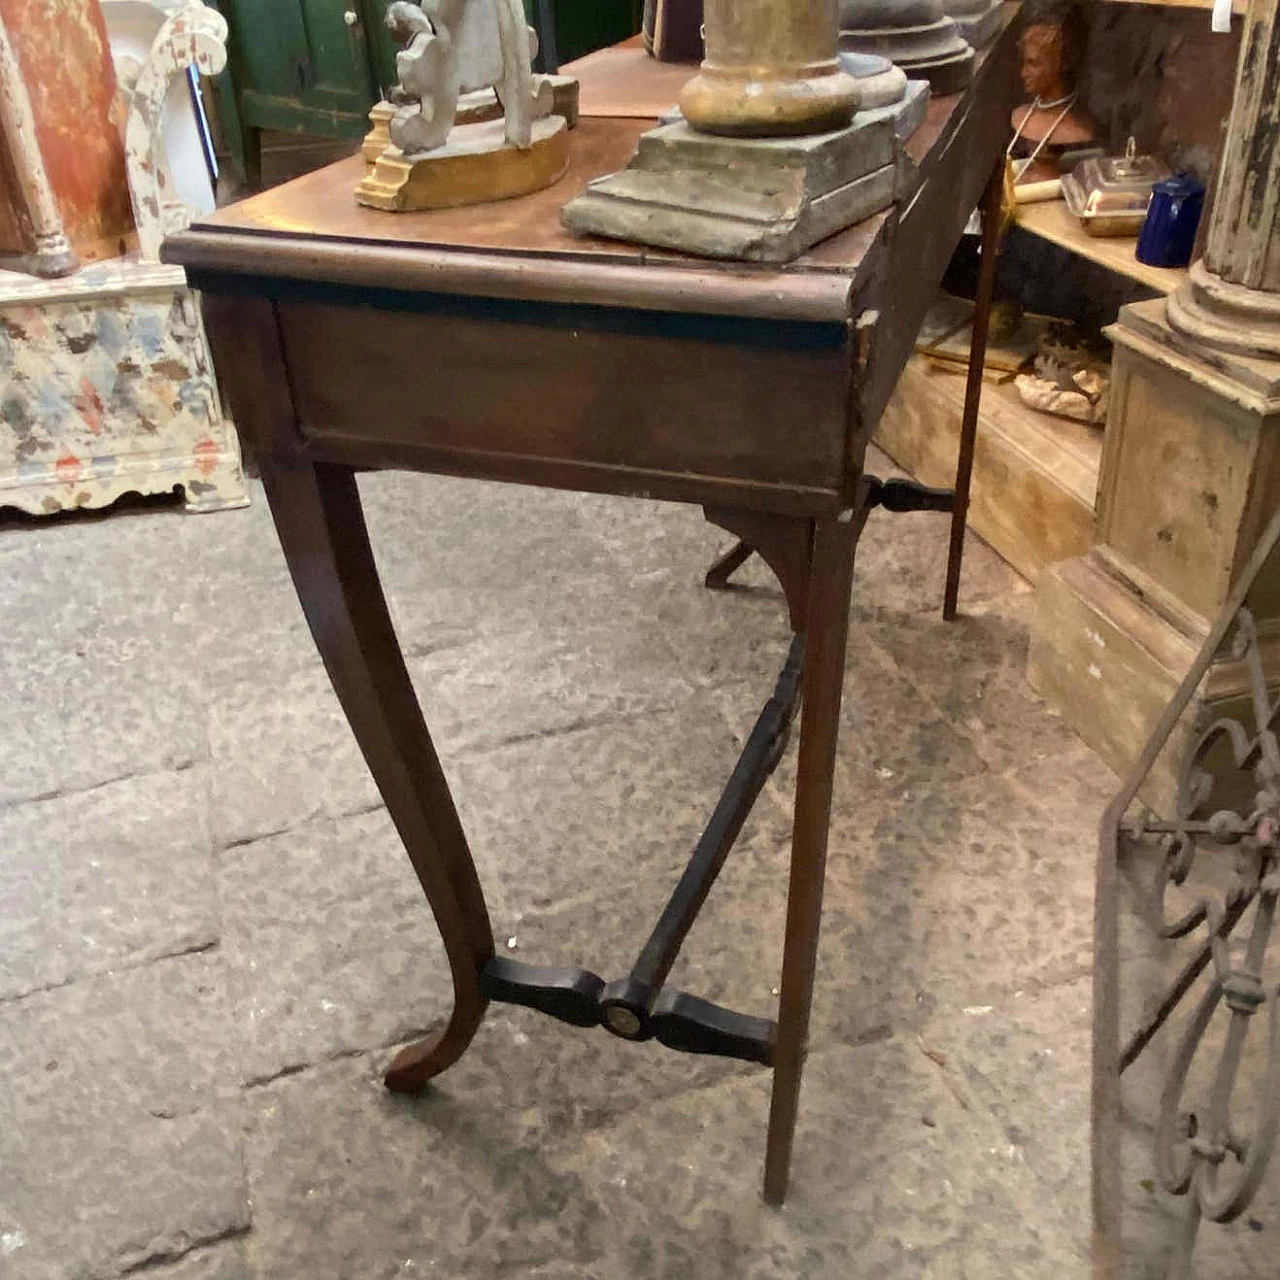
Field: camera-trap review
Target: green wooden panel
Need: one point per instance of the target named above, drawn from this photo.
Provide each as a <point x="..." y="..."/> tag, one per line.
<point x="287" y="115"/>
<point x="382" y="50"/>
<point x="300" y="51"/>
<point x="339" y="57"/>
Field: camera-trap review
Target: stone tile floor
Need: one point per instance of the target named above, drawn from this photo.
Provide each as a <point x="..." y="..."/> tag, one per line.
<point x="211" y="942"/>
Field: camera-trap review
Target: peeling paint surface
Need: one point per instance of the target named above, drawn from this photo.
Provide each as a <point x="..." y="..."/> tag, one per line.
<point x="195" y="37"/>
<point x="100" y="395"/>
<point x="62" y="51"/>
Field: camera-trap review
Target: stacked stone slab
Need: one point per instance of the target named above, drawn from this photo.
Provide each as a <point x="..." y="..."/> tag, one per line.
<point x="770" y="156"/>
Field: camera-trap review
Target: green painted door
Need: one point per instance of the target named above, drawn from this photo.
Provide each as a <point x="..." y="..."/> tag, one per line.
<point x="304" y="65"/>
<point x="382" y="52"/>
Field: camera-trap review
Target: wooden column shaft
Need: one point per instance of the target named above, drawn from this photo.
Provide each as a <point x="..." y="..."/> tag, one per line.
<point x="770" y="68"/>
<point x="1231" y="300"/>
<point x="782" y="37"/>
<point x="23" y="160"/>
<point x="1243" y="244"/>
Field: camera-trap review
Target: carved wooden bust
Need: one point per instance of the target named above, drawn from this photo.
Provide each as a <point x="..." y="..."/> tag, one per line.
<point x="1052" y="120"/>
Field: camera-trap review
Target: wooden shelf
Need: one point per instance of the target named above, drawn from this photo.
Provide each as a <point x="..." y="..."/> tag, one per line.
<point x="1035" y="476"/>
<point x="1051" y="220"/>
<point x="1237" y="6"/>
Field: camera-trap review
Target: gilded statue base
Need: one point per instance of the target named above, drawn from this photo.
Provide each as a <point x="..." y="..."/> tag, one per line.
<point x="476" y="165"/>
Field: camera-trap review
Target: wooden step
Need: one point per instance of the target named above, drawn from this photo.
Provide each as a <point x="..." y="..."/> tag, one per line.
<point x="1035" y="476"/>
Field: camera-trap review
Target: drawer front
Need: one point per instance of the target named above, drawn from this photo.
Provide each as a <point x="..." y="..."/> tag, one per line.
<point x="561" y="395"/>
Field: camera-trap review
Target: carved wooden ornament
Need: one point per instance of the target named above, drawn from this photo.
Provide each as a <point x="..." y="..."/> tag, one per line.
<point x="454" y="51"/>
<point x="194" y="37"/>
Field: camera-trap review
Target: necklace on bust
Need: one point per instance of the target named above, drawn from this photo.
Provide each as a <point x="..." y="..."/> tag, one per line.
<point x="1066" y="103"/>
<point x="1040" y="105"/>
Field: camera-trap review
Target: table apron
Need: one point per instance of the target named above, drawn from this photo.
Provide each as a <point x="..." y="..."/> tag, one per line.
<point x="692" y="408"/>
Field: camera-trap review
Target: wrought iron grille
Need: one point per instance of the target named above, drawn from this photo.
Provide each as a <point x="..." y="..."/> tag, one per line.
<point x="1228" y="802"/>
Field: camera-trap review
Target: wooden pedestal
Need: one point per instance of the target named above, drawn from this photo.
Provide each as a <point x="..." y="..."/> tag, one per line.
<point x="1190" y="475"/>
<point x="476" y="166"/>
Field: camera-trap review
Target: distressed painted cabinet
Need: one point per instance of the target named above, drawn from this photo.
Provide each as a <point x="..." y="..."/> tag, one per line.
<point x="108" y="390"/>
<point x="106" y="386"/>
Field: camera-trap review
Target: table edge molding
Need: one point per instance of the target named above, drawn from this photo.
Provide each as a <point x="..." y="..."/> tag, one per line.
<point x="696" y="287"/>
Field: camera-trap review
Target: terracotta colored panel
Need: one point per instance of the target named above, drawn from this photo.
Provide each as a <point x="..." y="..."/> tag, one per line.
<point x="61" y="46"/>
<point x="13" y="235"/>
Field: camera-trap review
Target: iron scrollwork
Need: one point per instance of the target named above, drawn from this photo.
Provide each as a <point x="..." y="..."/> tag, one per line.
<point x="1228" y="800"/>
<point x="1199" y="1152"/>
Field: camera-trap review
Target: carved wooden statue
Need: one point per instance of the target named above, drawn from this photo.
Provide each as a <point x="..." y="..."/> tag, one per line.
<point x="1053" y="124"/>
<point x="453" y="53"/>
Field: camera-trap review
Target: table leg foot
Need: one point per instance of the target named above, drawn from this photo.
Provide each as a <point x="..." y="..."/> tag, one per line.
<point x="826" y="634"/>
<point x="417" y="1063"/>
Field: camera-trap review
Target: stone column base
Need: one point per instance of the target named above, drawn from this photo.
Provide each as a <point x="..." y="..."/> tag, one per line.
<point x="1190" y="477"/>
<point x="757" y="199"/>
<point x="1109" y="663"/>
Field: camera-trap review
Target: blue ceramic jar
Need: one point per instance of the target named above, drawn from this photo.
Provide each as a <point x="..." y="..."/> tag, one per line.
<point x="1169" y="232"/>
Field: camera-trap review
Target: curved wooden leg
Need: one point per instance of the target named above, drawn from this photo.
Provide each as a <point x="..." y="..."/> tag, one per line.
<point x="320" y="521"/>
<point x="826" y="632"/>
<point x="415" y="1064"/>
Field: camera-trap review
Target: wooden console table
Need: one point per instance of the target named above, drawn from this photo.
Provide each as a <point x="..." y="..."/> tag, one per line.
<point x="488" y="342"/>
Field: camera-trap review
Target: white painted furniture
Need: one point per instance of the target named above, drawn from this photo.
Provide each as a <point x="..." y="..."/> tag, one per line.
<point x="106" y="386"/>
